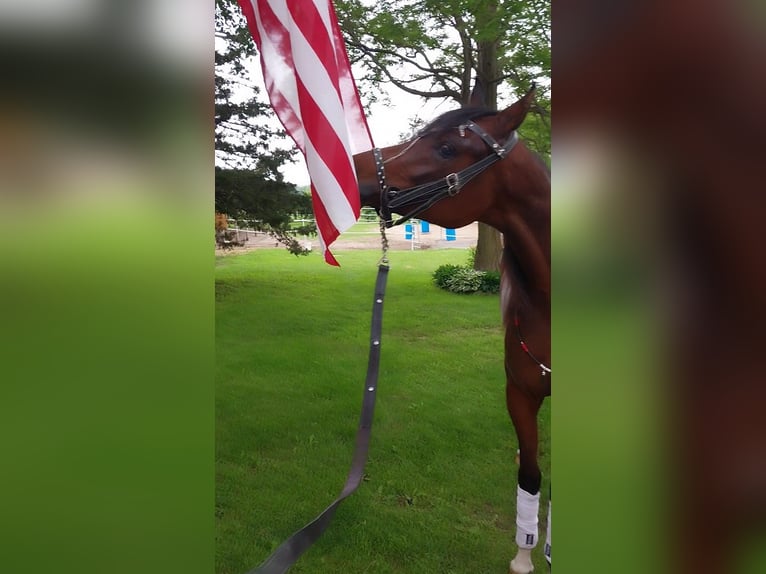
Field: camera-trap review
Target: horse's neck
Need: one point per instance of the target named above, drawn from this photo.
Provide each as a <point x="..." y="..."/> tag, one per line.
<point x="528" y="256"/>
<point x="525" y="225"/>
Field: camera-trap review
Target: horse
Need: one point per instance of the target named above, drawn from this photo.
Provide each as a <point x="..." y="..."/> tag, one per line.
<point x="470" y="165"/>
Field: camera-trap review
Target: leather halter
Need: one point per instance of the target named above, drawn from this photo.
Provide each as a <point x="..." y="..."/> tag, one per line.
<point x="427" y="194"/>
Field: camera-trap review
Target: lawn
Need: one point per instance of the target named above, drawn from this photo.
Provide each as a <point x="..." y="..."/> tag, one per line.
<point x="292" y="341"/>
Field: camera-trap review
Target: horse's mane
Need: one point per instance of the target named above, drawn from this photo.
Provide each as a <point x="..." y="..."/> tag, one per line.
<point x="454" y="118"/>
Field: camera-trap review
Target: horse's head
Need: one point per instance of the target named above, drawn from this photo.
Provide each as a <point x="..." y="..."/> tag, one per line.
<point x="438" y="162"/>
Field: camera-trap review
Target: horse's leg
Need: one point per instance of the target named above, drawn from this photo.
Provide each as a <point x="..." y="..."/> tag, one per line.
<point x="523" y="410"/>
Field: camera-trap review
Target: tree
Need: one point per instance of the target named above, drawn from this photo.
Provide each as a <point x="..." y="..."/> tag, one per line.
<point x="245" y="193"/>
<point x="248" y="183"/>
<point x="435" y="48"/>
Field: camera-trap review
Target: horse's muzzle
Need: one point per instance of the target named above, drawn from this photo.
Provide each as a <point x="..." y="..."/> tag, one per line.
<point x="369" y="194"/>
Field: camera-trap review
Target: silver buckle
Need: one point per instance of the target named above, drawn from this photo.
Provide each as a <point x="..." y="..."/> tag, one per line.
<point x="453" y="184"/>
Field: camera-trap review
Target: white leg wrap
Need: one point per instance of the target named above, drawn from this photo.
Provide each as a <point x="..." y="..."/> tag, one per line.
<point x="527" y="508"/>
<point x="547" y="550"/>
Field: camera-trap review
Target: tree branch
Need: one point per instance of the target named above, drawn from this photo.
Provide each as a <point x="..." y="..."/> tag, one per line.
<point x="440" y="76"/>
<point x="468" y="60"/>
<point x="370" y="51"/>
<point x="446" y="93"/>
<point x="509" y="76"/>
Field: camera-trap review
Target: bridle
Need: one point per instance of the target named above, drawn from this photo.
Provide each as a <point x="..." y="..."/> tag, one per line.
<point x="427" y="194"/>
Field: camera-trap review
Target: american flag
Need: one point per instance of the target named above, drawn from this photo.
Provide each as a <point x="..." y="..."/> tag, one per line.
<point x="310" y="86"/>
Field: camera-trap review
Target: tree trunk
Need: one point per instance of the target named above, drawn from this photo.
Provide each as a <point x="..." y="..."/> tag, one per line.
<point x="489" y="246"/>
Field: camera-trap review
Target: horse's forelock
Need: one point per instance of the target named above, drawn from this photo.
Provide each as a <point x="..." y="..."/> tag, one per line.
<point x="455" y="118"/>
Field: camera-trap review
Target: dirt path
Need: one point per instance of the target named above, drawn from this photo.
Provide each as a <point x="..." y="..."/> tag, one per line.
<point x="435" y="238"/>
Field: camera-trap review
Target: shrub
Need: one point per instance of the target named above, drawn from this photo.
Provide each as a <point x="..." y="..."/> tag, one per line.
<point x="443" y="273"/>
<point x="490" y="282"/>
<point x="471" y="257"/>
<point x="464" y="279"/>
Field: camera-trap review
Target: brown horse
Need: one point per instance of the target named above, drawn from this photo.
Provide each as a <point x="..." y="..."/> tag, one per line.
<point x="469" y="165"/>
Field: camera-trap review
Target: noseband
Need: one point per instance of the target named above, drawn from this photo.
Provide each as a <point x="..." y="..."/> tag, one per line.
<point x="427" y="194"/>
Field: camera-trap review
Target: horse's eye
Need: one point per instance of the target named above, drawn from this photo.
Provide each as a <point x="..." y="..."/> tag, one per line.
<point x="446" y="151"/>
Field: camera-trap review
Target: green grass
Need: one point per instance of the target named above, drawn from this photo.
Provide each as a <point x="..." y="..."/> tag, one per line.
<point x="292" y="341"/>
<point x="356" y="231"/>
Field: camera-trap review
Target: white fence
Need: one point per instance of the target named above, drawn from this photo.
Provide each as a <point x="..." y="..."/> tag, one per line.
<point x="418" y="233"/>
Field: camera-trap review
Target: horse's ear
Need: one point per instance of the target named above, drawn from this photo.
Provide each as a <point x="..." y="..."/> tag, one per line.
<point x="513" y="116"/>
<point x="478" y="97"/>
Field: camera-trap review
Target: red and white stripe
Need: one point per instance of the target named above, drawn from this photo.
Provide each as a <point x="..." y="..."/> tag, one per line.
<point x="310" y="86"/>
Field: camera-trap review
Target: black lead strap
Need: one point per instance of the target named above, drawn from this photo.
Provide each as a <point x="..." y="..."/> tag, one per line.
<point x="292" y="548"/>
